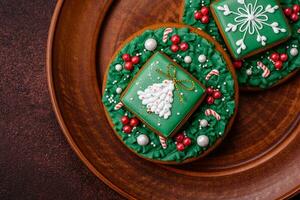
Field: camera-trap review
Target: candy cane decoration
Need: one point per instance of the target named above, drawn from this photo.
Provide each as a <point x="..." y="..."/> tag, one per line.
<point x="209" y="112"/>
<point x="163" y="142"/>
<point x="119" y="105"/>
<point x="264" y="68"/>
<point x="166" y="34"/>
<point x="211" y="73"/>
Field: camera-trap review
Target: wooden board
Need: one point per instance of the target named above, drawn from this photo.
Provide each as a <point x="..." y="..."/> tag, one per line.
<point x="260" y="158"/>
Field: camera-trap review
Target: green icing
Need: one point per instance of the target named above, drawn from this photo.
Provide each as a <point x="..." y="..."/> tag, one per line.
<point x="225" y="107"/>
<point x="149" y="76"/>
<point x="246" y="35"/>
<point x="255" y="79"/>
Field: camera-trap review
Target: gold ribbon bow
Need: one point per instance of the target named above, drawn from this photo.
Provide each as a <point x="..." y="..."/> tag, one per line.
<point x="179" y="84"/>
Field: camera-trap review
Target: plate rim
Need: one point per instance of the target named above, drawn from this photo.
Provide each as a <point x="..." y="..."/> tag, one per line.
<point x="55" y="106"/>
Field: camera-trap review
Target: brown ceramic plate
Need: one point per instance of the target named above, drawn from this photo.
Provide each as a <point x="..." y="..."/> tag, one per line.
<point x="260" y="158"/>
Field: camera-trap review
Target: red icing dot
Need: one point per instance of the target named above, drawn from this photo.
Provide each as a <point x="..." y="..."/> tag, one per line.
<point x="198" y="15"/>
<point x="284" y="57"/>
<point x="209" y="90"/>
<point x="278" y="65"/>
<point x="275" y="57"/>
<point x="175" y="39"/>
<point x="179" y="137"/>
<point x="217" y="94"/>
<point x="288" y="11"/>
<point x="134" y="122"/>
<point x="205" y="19"/>
<point x="126" y="57"/>
<point x="296" y="8"/>
<point x="238" y="64"/>
<point x="187" y="141"/>
<point x="180" y="147"/>
<point x="184" y="46"/>
<point x="127" y="129"/>
<point x="294" y="17"/>
<point x="204" y="10"/>
<point x="128" y="66"/>
<point x="135" y="60"/>
<point x="210" y="100"/>
<point x="125" y="120"/>
<point x="174" y="48"/>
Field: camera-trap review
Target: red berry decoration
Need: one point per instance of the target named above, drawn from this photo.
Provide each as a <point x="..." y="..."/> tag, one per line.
<point x="275" y="57"/>
<point x="175" y="39"/>
<point x="128" y="66"/>
<point x="127" y="129"/>
<point x="184" y="46"/>
<point x="126" y="57"/>
<point x="204" y="10"/>
<point x="180" y="147"/>
<point x="238" y="64"/>
<point x="125" y="120"/>
<point x="217" y="94"/>
<point x="205" y="19"/>
<point x="210" y="100"/>
<point x="174" y="48"/>
<point x="284" y="57"/>
<point x="187" y="142"/>
<point x="198" y="15"/>
<point x="294" y="17"/>
<point x="179" y="137"/>
<point x="135" y="60"/>
<point x="288" y="12"/>
<point x="278" y="65"/>
<point x="296" y="8"/>
<point x="134" y="122"/>
<point x="209" y="90"/>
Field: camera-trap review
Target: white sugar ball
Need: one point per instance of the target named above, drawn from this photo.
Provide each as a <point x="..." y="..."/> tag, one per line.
<point x="118" y="67"/>
<point x="187" y="59"/>
<point x="294" y="52"/>
<point x="142" y="140"/>
<point x="202" y="58"/>
<point x="150" y="44"/>
<point x="203" y="123"/>
<point x="249" y="72"/>
<point x="202" y="140"/>
<point x="119" y="90"/>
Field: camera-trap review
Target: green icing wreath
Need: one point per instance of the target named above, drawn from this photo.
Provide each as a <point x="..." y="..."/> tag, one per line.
<point x="255" y="80"/>
<point x="225" y="107"/>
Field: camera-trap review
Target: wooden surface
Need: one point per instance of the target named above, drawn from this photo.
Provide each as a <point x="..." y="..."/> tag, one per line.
<point x="36" y="162"/>
<point x="260" y="158"/>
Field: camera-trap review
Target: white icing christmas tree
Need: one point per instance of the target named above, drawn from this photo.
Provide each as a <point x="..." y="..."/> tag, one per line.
<point x="158" y="98"/>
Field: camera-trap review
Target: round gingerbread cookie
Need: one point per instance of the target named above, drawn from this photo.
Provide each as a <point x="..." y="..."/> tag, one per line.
<point x="261" y="36"/>
<point x="170" y="93"/>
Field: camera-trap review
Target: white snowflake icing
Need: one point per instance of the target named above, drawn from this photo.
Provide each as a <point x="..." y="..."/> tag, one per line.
<point x="251" y="19"/>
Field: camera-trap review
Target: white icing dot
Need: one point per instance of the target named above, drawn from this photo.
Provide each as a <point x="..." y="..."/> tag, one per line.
<point x="203" y="123"/>
<point x="294" y="52"/>
<point x="131" y="99"/>
<point x="142" y="140"/>
<point x="202" y="140"/>
<point x="178" y="113"/>
<point x="158" y="124"/>
<point x="119" y="90"/>
<point x="202" y="58"/>
<point x="118" y="67"/>
<point x="150" y="44"/>
<point x="249" y="72"/>
<point x="187" y="59"/>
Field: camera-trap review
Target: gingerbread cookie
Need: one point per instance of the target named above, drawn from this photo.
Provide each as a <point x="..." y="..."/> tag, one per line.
<point x="262" y="38"/>
<point x="170" y="93"/>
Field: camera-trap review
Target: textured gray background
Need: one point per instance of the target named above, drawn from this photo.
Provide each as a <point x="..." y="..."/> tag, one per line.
<point x="36" y="162"/>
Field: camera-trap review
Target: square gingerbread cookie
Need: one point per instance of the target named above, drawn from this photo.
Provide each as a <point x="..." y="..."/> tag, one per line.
<point x="250" y="26"/>
<point x="163" y="95"/>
